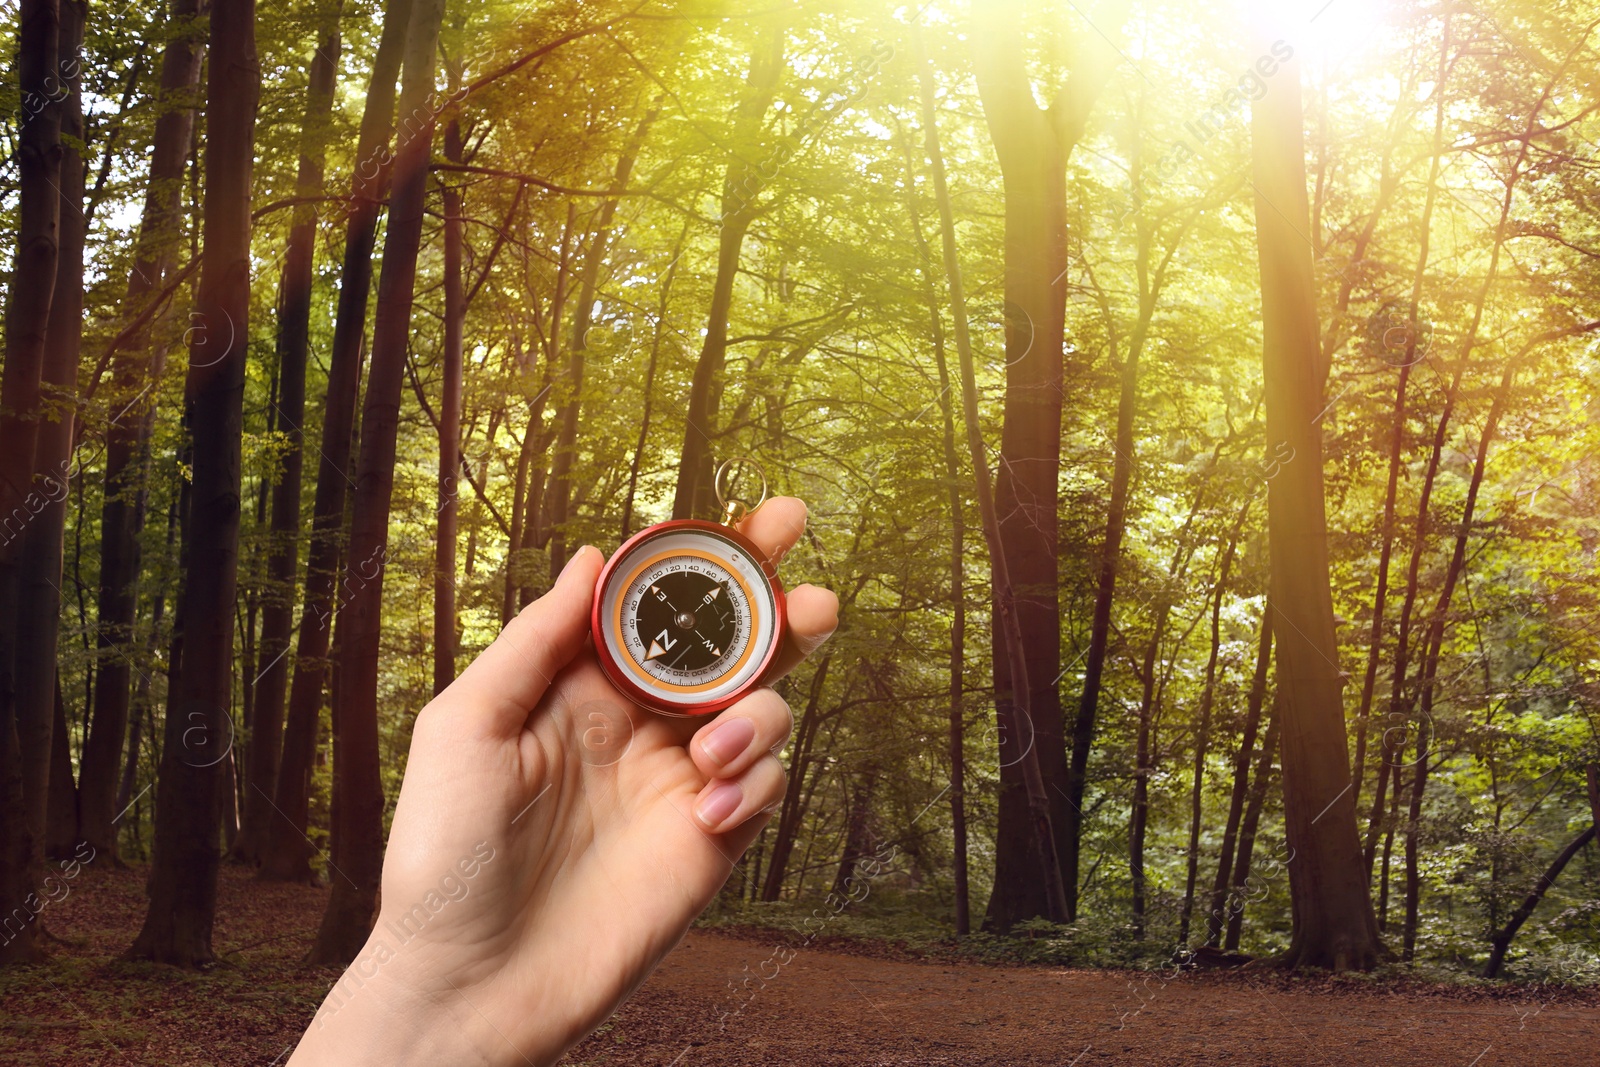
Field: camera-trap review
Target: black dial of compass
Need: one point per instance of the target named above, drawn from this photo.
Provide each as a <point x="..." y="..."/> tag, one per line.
<point x="684" y="620"/>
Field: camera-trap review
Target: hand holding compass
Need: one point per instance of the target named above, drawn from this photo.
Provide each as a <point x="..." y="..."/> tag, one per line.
<point x="598" y="865"/>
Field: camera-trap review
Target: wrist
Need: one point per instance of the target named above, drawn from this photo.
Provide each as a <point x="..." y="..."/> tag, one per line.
<point x="377" y="1014"/>
<point x="394" y="1007"/>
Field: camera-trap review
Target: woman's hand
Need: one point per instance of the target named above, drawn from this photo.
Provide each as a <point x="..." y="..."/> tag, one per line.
<point x="553" y="841"/>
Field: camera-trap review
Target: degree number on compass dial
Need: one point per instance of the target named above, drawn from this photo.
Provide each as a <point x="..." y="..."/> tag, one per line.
<point x="687" y="618"/>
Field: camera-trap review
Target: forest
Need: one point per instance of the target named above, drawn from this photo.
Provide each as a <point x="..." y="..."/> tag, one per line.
<point x="1196" y="407"/>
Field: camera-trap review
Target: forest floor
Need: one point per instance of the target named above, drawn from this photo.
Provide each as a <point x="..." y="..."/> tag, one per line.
<point x="837" y="1003"/>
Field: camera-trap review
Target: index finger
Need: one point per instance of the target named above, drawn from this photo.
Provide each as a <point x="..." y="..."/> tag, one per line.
<point x="500" y="688"/>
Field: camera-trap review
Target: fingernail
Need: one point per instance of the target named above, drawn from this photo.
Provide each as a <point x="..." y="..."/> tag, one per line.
<point x="724" y="744"/>
<point x="714" y="808"/>
<point x="575" y="557"/>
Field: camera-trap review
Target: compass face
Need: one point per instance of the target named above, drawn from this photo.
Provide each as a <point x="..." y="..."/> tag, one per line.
<point x="686" y="617"/>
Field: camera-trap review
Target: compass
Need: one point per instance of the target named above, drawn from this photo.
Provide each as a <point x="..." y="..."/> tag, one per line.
<point x="688" y="615"/>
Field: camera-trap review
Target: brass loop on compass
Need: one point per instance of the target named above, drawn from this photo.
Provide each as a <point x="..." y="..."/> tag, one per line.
<point x="735" y="510"/>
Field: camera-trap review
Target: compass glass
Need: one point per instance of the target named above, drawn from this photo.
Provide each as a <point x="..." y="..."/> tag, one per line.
<point x="688" y="616"/>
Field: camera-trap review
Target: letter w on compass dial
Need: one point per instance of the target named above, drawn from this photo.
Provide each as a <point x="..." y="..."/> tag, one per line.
<point x="689" y="620"/>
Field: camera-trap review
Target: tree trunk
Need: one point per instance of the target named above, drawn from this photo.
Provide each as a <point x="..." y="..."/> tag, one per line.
<point x="293" y="343"/>
<point x="1019" y="708"/>
<point x="1334" y="927"/>
<point x="230" y="800"/>
<point x="358" y="784"/>
<point x="1592" y="779"/>
<point x="1241" y="783"/>
<point x="740" y="186"/>
<point x="1033" y="146"/>
<point x="1202" y="735"/>
<point x="286" y="851"/>
<point x="1388" y="848"/>
<point x="855" y="834"/>
<point x="536" y="517"/>
<point x="1247" y="829"/>
<point x="38" y="159"/>
<point x="136" y="372"/>
<point x="61" y="821"/>
<point x="183" y="876"/>
<point x="455" y="311"/>
<point x="793" y="810"/>
<point x="39" y="612"/>
<point x="1501" y="940"/>
<point x="1143" y="769"/>
<point x="1381" y="594"/>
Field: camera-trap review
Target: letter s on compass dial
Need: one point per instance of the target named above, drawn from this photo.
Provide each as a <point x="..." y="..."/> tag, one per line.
<point x="687" y="619"/>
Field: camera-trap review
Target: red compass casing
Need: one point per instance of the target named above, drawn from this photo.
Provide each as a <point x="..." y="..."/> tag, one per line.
<point x="688" y="616"/>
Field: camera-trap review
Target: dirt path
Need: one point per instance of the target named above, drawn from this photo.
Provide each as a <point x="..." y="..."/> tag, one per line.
<point x="825" y="1008"/>
<point x="821" y="1006"/>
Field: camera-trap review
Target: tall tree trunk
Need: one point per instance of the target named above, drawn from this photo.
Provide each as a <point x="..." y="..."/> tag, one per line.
<point x="559" y="492"/>
<point x="1019" y="708"/>
<point x="1143" y="769"/>
<point x="1202" y="736"/>
<point x="1033" y="145"/>
<point x="39" y="613"/>
<point x="1388" y="843"/>
<point x="856" y="830"/>
<point x="955" y="481"/>
<point x="230" y="799"/>
<point x="1334" y="925"/>
<point x="1153" y="678"/>
<point x="136" y="372"/>
<point x="455" y="311"/>
<point x="740" y="186"/>
<point x="1381" y="595"/>
<point x="294" y="343"/>
<point x="792" y="809"/>
<point x="1216" y="921"/>
<point x="536" y="519"/>
<point x="141" y="709"/>
<point x="1252" y="820"/>
<point x="38" y="157"/>
<point x="286" y="851"/>
<point x="183" y="876"/>
<point x="61" y="820"/>
<point x="358" y="785"/>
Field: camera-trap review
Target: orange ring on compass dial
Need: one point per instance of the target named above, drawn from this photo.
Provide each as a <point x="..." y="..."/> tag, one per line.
<point x="625" y="677"/>
<point x="749" y="598"/>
